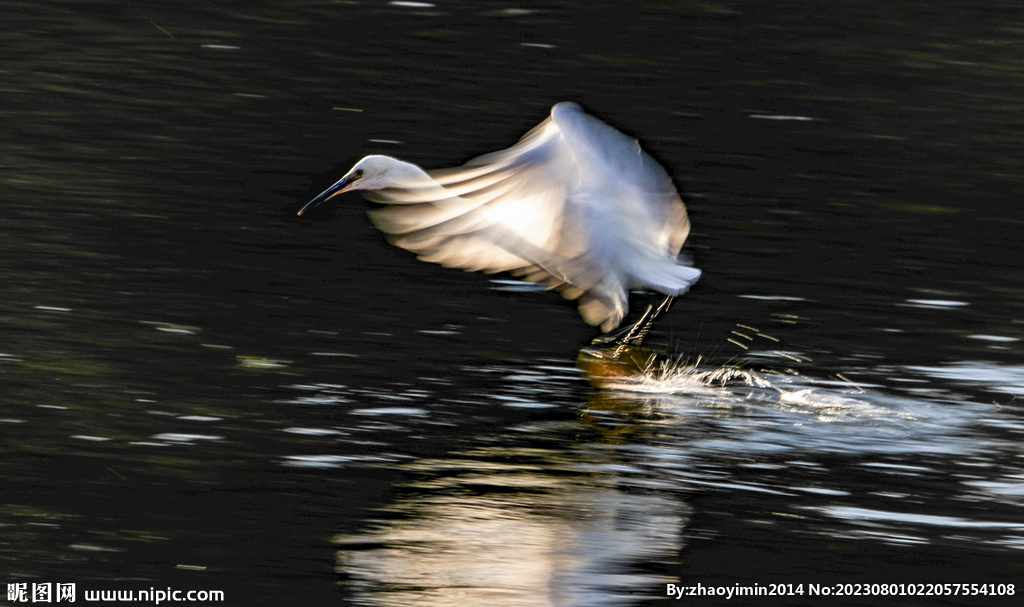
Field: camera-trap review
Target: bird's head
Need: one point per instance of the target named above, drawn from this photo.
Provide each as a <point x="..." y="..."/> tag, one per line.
<point x="371" y="173"/>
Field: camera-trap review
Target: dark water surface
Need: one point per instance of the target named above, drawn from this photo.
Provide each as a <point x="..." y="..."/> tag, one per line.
<point x="200" y="390"/>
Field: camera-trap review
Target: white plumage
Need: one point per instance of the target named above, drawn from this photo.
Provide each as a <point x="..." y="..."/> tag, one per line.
<point x="574" y="205"/>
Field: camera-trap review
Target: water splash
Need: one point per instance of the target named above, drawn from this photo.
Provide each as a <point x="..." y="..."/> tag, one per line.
<point x="679" y="375"/>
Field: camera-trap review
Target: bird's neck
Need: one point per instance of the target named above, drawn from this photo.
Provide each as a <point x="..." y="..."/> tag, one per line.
<point x="416" y="176"/>
<point x="408" y="176"/>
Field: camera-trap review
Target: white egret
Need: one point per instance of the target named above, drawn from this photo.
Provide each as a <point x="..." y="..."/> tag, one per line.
<point x="574" y="205"/>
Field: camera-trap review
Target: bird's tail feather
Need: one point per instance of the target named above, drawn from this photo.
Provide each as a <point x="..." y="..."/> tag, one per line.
<point x="671" y="280"/>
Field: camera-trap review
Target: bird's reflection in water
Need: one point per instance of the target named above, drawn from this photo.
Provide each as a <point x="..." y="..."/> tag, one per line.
<point x="579" y="523"/>
<point x="516" y="527"/>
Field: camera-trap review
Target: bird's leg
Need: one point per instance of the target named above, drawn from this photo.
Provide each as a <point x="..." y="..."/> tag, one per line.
<point x="634" y="335"/>
<point x="640" y="328"/>
<point x="665" y="304"/>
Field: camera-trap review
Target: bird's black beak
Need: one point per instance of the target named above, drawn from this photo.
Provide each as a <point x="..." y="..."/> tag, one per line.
<point x="339" y="187"/>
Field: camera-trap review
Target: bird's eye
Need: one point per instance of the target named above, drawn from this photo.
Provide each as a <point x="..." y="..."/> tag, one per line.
<point x="359" y="172"/>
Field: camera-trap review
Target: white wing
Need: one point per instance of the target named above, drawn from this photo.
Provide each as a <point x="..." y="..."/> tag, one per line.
<point x="574" y="205"/>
